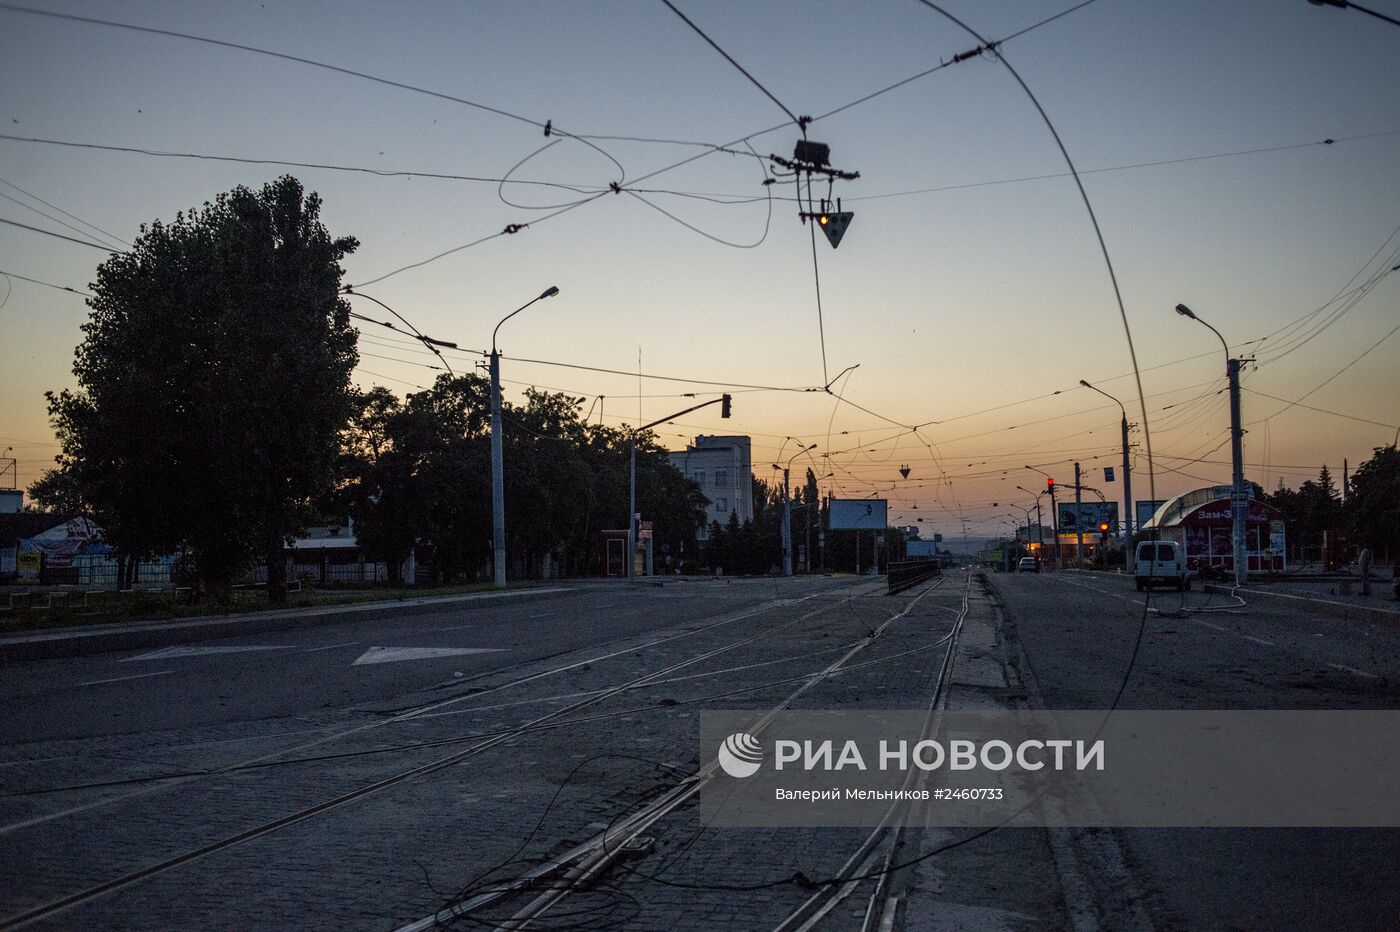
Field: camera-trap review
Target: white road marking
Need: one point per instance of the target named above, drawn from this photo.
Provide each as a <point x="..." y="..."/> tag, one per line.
<point x="1258" y="640"/>
<point x="393" y="654"/>
<point x="545" y="615"/>
<point x="312" y="650"/>
<point x="169" y="652"/>
<point x="1338" y="666"/>
<point x="122" y="679"/>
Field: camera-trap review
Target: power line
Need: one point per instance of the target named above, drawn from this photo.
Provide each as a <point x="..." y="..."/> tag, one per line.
<point x="509" y="230"/>
<point x="80" y="242"/>
<point x="30" y="194"/>
<point x="801" y="122"/>
<point x="35" y="281"/>
<point x="43" y="213"/>
<point x="1118" y="168"/>
<point x="1299" y="404"/>
<point x="324" y="166"/>
<point x="93" y="21"/>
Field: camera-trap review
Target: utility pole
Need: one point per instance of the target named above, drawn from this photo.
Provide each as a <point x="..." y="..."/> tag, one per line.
<point x="498" y="490"/>
<point x="787" y="505"/>
<point x="787" y="526"/>
<point x="1127" y="487"/>
<point x="1127" y="465"/>
<point x="1078" y="521"/>
<point x="1239" y="491"/>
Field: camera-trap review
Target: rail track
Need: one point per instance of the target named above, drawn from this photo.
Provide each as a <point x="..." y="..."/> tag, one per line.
<point x="540" y="891"/>
<point x="551" y="719"/>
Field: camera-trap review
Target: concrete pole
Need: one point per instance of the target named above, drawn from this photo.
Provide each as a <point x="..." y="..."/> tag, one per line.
<point x="1055" y="525"/>
<point x="498" y="492"/>
<point x="1239" y="500"/>
<point x="632" y="509"/>
<point x="1078" y="521"/>
<point x="1128" y="515"/>
<point x="787" y="527"/>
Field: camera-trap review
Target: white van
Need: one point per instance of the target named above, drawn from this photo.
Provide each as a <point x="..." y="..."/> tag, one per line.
<point x="1161" y="562"/>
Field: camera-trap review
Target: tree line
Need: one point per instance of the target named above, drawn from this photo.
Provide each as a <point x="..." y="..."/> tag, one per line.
<point x="1368" y="517"/>
<point x="214" y="417"/>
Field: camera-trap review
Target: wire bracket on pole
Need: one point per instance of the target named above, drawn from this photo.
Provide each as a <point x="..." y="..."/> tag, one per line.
<point x="814" y="158"/>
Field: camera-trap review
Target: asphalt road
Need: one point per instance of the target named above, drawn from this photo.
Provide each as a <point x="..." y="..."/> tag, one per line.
<point x="1077" y="632"/>
<point x="365" y="773"/>
<point x="357" y="776"/>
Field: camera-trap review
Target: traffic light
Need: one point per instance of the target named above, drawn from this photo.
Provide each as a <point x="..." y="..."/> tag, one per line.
<point x="834" y="223"/>
<point x="724" y="405"/>
<point x="1049" y="484"/>
<point x="1103" y="528"/>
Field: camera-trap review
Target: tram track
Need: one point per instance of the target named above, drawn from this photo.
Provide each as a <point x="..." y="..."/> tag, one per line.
<point x="550" y="884"/>
<point x="98" y="890"/>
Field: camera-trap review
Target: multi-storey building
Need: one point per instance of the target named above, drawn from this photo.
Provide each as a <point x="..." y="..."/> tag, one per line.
<point x="723" y="468"/>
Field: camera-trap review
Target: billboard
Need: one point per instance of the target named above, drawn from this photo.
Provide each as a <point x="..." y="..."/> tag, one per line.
<point x="1145" y="510"/>
<point x="857" y="514"/>
<point x="1087" y="517"/>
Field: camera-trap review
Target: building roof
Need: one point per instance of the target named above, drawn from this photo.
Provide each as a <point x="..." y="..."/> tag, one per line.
<point x="20" y="524"/>
<point x="1206" y="506"/>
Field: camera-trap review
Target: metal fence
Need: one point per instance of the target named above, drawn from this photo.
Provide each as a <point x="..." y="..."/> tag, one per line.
<point x="908" y="573"/>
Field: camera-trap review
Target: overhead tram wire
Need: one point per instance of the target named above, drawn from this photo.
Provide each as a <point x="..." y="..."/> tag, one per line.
<point x="35" y="281"/>
<point x="29" y="194"/>
<point x="1128" y="167"/>
<point x="509" y="230"/>
<point x="547" y="126"/>
<point x="52" y="218"/>
<point x="291" y="163"/>
<point x="429" y="342"/>
<point x="1299" y="404"/>
<point x="800" y="121"/>
<point x="80" y="242"/>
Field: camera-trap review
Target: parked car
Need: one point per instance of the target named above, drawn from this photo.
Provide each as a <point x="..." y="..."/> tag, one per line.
<point x="1161" y="562"/>
<point x="1028" y="565"/>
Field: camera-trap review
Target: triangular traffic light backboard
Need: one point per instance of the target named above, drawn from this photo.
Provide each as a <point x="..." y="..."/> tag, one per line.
<point x="834" y="225"/>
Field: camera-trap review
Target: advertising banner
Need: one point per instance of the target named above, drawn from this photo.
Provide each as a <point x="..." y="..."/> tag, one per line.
<point x="857" y="514"/>
<point x="1087" y="517"/>
<point x="1145" y="510"/>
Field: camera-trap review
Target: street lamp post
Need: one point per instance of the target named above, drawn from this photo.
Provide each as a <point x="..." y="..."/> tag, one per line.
<point x="1127" y="464"/>
<point x="1239" y="492"/>
<point x="1039" y="524"/>
<point x="787" y="505"/>
<point x="498" y="492"/>
<point x="1054" y="510"/>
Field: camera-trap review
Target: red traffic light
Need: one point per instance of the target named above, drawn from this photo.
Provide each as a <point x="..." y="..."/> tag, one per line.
<point x="1049" y="483"/>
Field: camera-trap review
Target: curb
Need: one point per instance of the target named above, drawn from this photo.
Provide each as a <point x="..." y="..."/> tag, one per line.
<point x="1343" y="610"/>
<point x="79" y="642"/>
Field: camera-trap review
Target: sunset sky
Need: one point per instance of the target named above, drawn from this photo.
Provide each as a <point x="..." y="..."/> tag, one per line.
<point x="970" y="289"/>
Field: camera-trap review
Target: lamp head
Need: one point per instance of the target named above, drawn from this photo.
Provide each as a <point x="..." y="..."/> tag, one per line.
<point x="550" y="292"/>
<point x="1185" y="311"/>
<point x="1085" y="384"/>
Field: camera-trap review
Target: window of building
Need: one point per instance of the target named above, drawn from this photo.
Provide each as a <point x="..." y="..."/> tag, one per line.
<point x="721" y="506"/>
<point x="721" y="478"/>
<point x="699" y="476"/>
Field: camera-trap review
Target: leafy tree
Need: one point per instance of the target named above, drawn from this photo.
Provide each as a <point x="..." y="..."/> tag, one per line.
<point x="1373" y="507"/>
<point x="419" y="472"/>
<point x="214" y="381"/>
